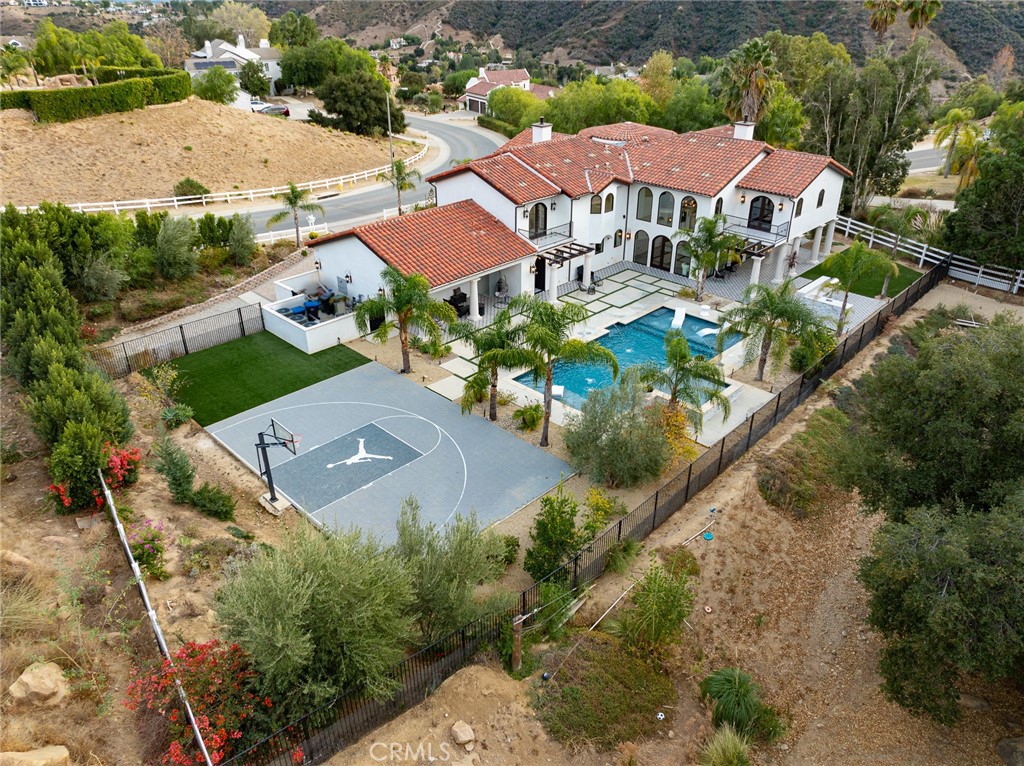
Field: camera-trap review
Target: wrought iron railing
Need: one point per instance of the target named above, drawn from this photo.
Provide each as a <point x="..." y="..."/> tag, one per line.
<point x="552" y="235"/>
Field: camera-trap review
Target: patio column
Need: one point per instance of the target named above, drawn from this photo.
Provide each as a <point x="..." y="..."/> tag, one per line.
<point x="474" y="299"/>
<point x="755" y="269"/>
<point x="830" y="233"/>
<point x="586" y="270"/>
<point x="780" y="263"/>
<point x="816" y="247"/>
<point x="551" y="282"/>
<point x="795" y="257"/>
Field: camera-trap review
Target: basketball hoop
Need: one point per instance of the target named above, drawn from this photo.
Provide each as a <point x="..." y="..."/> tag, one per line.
<point x="279" y="436"/>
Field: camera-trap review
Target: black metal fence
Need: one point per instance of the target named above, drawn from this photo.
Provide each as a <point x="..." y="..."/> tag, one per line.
<point x="325" y="731"/>
<point x="121" y="359"/>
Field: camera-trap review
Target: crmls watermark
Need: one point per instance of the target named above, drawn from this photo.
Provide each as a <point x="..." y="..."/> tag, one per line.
<point x="406" y="752"/>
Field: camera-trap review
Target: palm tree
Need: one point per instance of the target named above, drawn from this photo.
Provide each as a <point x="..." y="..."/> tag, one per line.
<point x="903" y="221"/>
<point x="852" y="264"/>
<point x="499" y="345"/>
<point x="948" y="132"/>
<point x="883" y="14"/>
<point x="407" y="299"/>
<point x="920" y="14"/>
<point x="750" y="73"/>
<point x="770" y="318"/>
<point x="691" y="380"/>
<point x="401" y="178"/>
<point x="970" y="148"/>
<point x="12" y="62"/>
<point x="295" y="199"/>
<point x="547" y="337"/>
<point x="710" y="247"/>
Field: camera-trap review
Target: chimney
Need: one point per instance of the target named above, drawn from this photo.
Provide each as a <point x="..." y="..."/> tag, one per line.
<point x="241" y="41"/>
<point x="264" y="43"/>
<point x="208" y="49"/>
<point x="483" y="73"/>
<point x="541" y="131"/>
<point x="744" y="130"/>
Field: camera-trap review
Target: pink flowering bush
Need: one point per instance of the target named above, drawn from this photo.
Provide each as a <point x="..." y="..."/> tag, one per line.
<point x="148" y="545"/>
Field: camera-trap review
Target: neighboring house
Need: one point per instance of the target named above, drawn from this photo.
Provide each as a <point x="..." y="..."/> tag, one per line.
<point x="479" y="88"/>
<point x="617" y="72"/>
<point x="396" y="43"/>
<point x="35" y="3"/>
<point x="547" y="209"/>
<point x="21" y="43"/>
<point x="233" y="56"/>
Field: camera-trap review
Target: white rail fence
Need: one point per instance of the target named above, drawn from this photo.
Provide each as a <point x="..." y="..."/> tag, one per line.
<point x="995" y="277"/>
<point x="249" y="195"/>
<point x="151" y="614"/>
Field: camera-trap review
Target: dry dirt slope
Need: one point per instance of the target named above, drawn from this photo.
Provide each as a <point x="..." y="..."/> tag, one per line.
<point x="142" y="154"/>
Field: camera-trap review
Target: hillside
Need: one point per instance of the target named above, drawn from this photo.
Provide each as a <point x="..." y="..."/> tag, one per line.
<point x="602" y="31"/>
<point x="142" y="154"/>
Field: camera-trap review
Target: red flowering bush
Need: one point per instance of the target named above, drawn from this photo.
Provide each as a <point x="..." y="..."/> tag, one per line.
<point x="87" y="332"/>
<point x="121" y="466"/>
<point x="214" y="676"/>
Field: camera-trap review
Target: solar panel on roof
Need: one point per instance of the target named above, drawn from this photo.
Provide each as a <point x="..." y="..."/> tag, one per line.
<point x="229" y="64"/>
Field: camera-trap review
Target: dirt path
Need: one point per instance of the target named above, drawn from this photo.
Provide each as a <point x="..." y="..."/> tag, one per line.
<point x="142" y="154"/>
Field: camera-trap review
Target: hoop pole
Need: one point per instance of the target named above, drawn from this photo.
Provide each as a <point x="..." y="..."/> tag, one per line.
<point x="262" y="447"/>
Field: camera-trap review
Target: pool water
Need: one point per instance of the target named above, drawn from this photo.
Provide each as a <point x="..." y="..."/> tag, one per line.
<point x="642" y="340"/>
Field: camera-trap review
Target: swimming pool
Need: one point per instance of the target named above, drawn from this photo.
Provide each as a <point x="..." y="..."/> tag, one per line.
<point x="642" y="340"/>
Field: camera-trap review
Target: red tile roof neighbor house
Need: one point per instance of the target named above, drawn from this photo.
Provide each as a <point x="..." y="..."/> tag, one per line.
<point x="627" y="133"/>
<point x="505" y="76"/>
<point x="788" y="173"/>
<point x="445" y="244"/>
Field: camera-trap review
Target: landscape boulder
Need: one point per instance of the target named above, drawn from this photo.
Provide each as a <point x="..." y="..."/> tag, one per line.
<point x="54" y="755"/>
<point x="1011" y="750"/>
<point x="462" y="733"/>
<point x="42" y="684"/>
<point x="14" y="565"/>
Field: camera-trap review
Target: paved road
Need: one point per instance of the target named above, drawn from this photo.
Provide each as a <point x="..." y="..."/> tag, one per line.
<point x="925" y="159"/>
<point x="458" y="142"/>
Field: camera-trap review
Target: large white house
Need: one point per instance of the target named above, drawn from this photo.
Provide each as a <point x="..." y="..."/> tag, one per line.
<point x="233" y="56"/>
<point x="547" y="210"/>
<point x="479" y="88"/>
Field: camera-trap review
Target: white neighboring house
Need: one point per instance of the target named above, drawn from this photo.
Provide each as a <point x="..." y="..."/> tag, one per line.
<point x="479" y="88"/>
<point x="233" y="56"/>
<point x="622" y="192"/>
<point x="35" y="3"/>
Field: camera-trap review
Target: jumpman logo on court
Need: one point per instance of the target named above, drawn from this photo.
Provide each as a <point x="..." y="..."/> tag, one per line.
<point x="362" y="456"/>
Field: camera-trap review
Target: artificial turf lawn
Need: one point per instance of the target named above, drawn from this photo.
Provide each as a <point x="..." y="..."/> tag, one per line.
<point x="872" y="286"/>
<point x="234" y="377"/>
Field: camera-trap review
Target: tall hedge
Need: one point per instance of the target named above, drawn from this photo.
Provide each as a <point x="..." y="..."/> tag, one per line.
<point x="106" y="74"/>
<point x="163" y="86"/>
<point x="509" y="131"/>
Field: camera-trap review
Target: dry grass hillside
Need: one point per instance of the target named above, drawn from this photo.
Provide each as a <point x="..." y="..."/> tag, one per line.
<point x="142" y="154"/>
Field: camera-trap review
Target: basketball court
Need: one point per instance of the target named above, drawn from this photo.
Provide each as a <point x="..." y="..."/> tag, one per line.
<point x="365" y="440"/>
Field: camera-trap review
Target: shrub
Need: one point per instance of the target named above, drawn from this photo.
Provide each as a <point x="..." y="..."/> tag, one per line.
<point x="506" y="397"/>
<point x="213" y="230"/>
<point x="175" y="255"/>
<point x="212" y="259"/>
<point x="622" y="554"/>
<point x="601" y="508"/>
<point x="68" y="396"/>
<point x="726" y="747"/>
<point x="148" y="546"/>
<point x="67" y="104"/>
<point x="529" y="416"/>
<point x="802" y="357"/>
<point x="554" y="536"/>
<point x="737" y="702"/>
<point x="15" y="99"/>
<point x="339" y="605"/>
<point x="147" y="226"/>
<point x="136" y="308"/>
<point x="445" y="567"/>
<point x="682" y="563"/>
<point x="660" y="605"/>
<point x="216" y="677"/>
<point x="176" y="415"/>
<point x="509" y="131"/>
<point x="174" y="465"/>
<point x="216" y="84"/>
<point x="140" y="266"/>
<point x="508" y="551"/>
<point x="213" y="501"/>
<point x="120" y="466"/>
<point x="557" y="601"/>
<point x="189" y="187"/>
<point x="242" y="240"/>
<point x="74" y="462"/>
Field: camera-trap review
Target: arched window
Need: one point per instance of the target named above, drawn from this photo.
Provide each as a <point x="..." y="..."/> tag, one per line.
<point x="595" y="205"/>
<point x="618" y="238"/>
<point x="538" y="220"/>
<point x="661" y="253"/>
<point x="821" y="198"/>
<point x="688" y="213"/>
<point x="609" y="202"/>
<point x="799" y="207"/>
<point x="762" y="210"/>
<point x="718" y="206"/>
<point x="644" y="203"/>
<point x="682" y="263"/>
<point x="665" y="204"/>
<point x="640" y="242"/>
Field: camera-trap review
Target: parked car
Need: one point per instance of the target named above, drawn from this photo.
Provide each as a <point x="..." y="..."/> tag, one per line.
<point x="257" y="105"/>
<point x="276" y="110"/>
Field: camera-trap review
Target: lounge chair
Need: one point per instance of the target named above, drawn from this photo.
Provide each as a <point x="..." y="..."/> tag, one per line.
<point x="678" y="319"/>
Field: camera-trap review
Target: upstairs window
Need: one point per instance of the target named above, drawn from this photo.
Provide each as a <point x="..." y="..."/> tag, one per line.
<point x="821" y="198"/>
<point x="718" y="206"/>
<point x="595" y="205"/>
<point x="609" y="202"/>
<point x="800" y="207"/>
<point x="688" y="213"/>
<point x="644" y="204"/>
<point x="665" y="205"/>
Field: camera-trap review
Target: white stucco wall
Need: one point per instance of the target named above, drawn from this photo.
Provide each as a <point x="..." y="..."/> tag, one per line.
<point x="349" y="255"/>
<point x="468" y="185"/>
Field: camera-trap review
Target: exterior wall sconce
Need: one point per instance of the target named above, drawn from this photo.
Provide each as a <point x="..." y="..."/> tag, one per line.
<point x="553" y="204"/>
<point x="380" y="291"/>
<point x="348" y="275"/>
<point x="743" y="198"/>
<point x="316" y="264"/>
<point x="629" y="235"/>
<point x="533" y="268"/>
<point x="780" y="207"/>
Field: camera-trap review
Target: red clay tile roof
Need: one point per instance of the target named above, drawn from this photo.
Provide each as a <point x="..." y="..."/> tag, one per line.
<point x="508" y="175"/>
<point x="525" y="138"/>
<point x="506" y="76"/>
<point x="788" y="173"/>
<point x="445" y="244"/>
<point x="571" y="162"/>
<point x="628" y="133"/>
<point x="544" y="92"/>
<point x="482" y="88"/>
<point x="694" y="162"/>
<point x="721" y="131"/>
